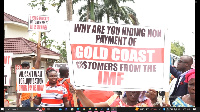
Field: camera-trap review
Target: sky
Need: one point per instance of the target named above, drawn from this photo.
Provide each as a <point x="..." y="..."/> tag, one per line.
<point x="178" y="16"/>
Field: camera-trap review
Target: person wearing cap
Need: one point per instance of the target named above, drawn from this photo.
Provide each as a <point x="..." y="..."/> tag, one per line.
<point x="25" y="97"/>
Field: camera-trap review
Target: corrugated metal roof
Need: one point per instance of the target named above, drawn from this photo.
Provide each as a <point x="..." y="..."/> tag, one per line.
<point x="21" y="45"/>
<point x="9" y="17"/>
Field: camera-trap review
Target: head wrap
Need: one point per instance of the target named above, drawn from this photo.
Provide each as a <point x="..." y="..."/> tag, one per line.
<point x="190" y="75"/>
<point x="49" y="70"/>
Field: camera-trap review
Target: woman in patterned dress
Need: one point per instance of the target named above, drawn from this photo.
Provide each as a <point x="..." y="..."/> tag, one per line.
<point x="187" y="100"/>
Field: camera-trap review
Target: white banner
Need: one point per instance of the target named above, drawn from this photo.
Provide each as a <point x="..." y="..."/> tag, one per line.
<point x="7" y="68"/>
<point x="30" y="81"/>
<point x="38" y="23"/>
<point x="118" y="57"/>
<point x="57" y="66"/>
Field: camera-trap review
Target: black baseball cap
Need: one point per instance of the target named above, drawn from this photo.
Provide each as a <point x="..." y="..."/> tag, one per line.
<point x="25" y="64"/>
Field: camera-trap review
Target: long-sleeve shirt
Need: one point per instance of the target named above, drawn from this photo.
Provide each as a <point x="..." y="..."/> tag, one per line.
<point x="181" y="88"/>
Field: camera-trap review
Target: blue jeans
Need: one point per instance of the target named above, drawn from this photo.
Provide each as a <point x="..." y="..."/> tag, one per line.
<point x="26" y="103"/>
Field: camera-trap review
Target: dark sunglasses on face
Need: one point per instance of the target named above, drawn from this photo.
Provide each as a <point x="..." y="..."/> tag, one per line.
<point x="180" y="61"/>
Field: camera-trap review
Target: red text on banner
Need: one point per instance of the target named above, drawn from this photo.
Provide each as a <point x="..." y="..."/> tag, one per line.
<point x="117" y="54"/>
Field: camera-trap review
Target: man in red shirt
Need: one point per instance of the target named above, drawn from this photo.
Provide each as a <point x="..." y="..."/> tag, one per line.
<point x="64" y="73"/>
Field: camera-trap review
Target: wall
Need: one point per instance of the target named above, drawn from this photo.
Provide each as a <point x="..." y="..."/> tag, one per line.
<point x="12" y="89"/>
<point x="13" y="31"/>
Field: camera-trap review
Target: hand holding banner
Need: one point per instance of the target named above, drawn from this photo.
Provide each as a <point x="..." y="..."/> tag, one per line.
<point x="117" y="57"/>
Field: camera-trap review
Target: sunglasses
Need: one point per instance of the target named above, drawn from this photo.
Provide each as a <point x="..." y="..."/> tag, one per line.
<point x="180" y="61"/>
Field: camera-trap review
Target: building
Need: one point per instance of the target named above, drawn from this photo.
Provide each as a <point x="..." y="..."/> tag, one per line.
<point x="15" y="27"/>
<point x="16" y="42"/>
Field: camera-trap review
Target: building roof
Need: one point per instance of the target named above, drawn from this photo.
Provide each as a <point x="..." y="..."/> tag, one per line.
<point x="9" y="17"/>
<point x="23" y="46"/>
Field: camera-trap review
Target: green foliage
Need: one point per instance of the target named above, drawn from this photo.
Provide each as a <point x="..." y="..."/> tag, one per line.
<point x="92" y="10"/>
<point x="95" y="11"/>
<point x="49" y="43"/>
<point x="41" y="4"/>
<point x="63" y="53"/>
<point x="110" y="8"/>
<point x="35" y="3"/>
<point x="177" y="49"/>
<point x="92" y="16"/>
<point x="32" y="40"/>
<point x="46" y="42"/>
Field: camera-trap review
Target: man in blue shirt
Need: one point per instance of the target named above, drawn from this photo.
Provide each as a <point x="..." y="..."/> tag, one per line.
<point x="183" y="66"/>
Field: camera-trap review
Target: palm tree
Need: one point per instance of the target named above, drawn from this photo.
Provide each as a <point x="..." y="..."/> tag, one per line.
<point x="94" y="11"/>
<point x="110" y="8"/>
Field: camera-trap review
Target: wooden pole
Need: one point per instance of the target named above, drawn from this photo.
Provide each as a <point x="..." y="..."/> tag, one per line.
<point x="38" y="46"/>
<point x="75" y="100"/>
<point x="31" y="100"/>
<point x="167" y="97"/>
<point x="39" y="37"/>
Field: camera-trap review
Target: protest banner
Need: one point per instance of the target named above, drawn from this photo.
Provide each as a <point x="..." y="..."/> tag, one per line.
<point x="116" y="57"/>
<point x="57" y="66"/>
<point x="38" y="23"/>
<point x="30" y="81"/>
<point x="17" y="67"/>
<point x="7" y="68"/>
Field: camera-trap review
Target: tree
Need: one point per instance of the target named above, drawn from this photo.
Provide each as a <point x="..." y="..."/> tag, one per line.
<point x="32" y="40"/>
<point x="62" y="51"/>
<point x="69" y="10"/>
<point x="177" y="49"/>
<point x="49" y="44"/>
<point x="45" y="41"/>
<point x="94" y="11"/>
<point x="110" y="8"/>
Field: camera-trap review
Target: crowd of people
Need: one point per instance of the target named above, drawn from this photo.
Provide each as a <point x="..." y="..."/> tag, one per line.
<point x="183" y="94"/>
<point x="61" y="93"/>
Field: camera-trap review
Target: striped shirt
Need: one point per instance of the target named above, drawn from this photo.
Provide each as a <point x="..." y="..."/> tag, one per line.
<point x="53" y="96"/>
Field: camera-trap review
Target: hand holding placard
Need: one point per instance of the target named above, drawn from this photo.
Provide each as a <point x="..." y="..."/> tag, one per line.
<point x="111" y="55"/>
